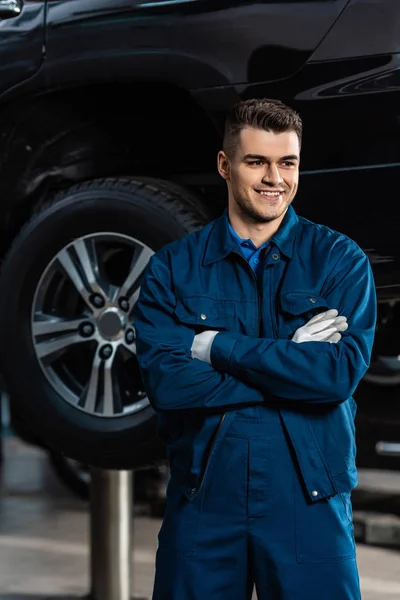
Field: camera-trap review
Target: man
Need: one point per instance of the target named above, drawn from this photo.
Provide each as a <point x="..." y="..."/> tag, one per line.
<point x="252" y="335"/>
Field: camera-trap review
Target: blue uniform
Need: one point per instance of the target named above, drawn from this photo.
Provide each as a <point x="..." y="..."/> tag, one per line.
<point x="261" y="442"/>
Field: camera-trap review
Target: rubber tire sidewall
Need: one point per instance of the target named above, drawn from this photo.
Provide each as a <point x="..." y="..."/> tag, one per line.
<point x="121" y="442"/>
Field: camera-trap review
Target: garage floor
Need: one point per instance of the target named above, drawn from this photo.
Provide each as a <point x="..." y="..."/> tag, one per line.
<point x="44" y="538"/>
<point x="44" y="532"/>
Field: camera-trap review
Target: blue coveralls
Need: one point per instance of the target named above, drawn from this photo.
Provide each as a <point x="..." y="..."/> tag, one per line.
<point x="251" y="520"/>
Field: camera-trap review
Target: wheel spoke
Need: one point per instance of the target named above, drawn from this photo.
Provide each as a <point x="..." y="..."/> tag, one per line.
<point x="135" y="273"/>
<point x="49" y="325"/>
<point x="89" y="265"/>
<point x="91" y="396"/>
<point x="101" y="387"/>
<point x="74" y="275"/>
<point x="84" y="274"/>
<point x="48" y="349"/>
<point x="133" y="298"/>
<point x="108" y="409"/>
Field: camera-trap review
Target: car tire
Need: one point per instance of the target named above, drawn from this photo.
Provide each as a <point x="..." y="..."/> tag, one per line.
<point x="99" y="231"/>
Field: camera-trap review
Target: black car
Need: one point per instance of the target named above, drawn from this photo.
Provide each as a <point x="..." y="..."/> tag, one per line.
<point x="111" y="115"/>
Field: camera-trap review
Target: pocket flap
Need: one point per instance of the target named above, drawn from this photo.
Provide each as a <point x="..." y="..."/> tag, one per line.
<point x="204" y="311"/>
<point x="297" y="303"/>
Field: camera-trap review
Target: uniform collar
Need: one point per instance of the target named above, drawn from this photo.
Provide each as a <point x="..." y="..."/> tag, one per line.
<point x="220" y="242"/>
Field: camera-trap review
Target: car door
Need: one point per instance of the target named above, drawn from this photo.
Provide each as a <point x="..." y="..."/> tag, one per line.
<point x="21" y="40"/>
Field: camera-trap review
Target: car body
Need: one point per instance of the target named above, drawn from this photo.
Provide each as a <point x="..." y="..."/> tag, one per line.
<point x="103" y="88"/>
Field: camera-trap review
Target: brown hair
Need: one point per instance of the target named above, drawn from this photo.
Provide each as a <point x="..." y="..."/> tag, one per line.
<point x="268" y="114"/>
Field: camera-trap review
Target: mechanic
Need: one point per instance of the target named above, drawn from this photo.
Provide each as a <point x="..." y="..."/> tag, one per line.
<point x="252" y="335"/>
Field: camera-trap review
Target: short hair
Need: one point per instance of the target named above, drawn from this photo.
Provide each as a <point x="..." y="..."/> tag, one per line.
<point x="265" y="113"/>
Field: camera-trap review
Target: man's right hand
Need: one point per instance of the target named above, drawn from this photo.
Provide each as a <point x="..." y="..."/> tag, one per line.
<point x="325" y="327"/>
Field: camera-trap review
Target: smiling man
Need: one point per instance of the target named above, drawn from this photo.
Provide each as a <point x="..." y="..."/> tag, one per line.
<point x="252" y="335"/>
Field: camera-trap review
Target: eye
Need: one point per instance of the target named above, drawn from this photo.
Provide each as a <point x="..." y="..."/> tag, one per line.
<point x="255" y="162"/>
<point x="288" y="163"/>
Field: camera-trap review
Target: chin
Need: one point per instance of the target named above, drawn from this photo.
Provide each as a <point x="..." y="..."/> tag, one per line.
<point x="270" y="217"/>
<point x="272" y="212"/>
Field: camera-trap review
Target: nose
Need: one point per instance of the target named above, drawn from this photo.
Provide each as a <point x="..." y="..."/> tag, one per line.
<point x="272" y="175"/>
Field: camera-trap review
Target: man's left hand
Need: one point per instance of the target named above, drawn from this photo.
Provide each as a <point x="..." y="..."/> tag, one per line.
<point x="201" y="347"/>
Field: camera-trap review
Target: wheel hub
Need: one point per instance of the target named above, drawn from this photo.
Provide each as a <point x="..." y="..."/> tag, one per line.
<point x="111" y="324"/>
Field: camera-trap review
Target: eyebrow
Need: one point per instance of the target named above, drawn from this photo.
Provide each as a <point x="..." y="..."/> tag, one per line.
<point x="261" y="157"/>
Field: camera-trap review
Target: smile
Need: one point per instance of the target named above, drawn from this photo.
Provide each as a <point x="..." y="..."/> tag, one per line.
<point x="270" y="194"/>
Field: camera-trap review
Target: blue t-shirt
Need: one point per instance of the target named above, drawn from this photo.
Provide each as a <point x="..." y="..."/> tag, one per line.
<point x="252" y="254"/>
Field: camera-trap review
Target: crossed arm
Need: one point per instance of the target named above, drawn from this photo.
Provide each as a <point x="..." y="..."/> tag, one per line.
<point x="244" y="369"/>
<point x="324" y="327"/>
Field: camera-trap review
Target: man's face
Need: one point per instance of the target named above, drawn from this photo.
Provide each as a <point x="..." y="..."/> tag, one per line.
<point x="263" y="175"/>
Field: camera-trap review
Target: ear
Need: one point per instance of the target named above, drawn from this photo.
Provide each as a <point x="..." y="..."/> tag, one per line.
<point x="224" y="165"/>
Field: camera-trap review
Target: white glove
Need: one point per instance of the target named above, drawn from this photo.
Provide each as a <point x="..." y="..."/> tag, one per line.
<point x="201" y="347"/>
<point x="324" y="327"/>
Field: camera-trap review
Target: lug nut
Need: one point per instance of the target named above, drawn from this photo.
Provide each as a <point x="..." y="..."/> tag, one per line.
<point x="106" y="351"/>
<point x="86" y="329"/>
<point x="124" y="304"/>
<point x="130" y="336"/>
<point x="97" y="300"/>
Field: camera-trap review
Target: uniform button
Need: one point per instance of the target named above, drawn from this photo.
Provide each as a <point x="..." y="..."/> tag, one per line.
<point x="313" y="300"/>
<point x="256" y="261"/>
<point x="193" y="491"/>
<point x="314" y="493"/>
<point x="203" y="317"/>
<point x="275" y="256"/>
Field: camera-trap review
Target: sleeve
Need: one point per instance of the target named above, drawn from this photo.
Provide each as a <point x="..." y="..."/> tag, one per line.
<point x="171" y="378"/>
<point x="313" y="372"/>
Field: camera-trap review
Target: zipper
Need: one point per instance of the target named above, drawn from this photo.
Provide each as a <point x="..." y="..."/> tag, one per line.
<point x="272" y="315"/>
<point x="259" y="297"/>
<point x="272" y="311"/>
<point x="195" y="491"/>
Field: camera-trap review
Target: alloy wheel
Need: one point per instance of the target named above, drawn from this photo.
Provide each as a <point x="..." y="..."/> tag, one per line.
<point x="82" y="327"/>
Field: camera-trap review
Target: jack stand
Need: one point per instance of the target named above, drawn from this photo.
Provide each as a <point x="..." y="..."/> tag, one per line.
<point x="111" y="495"/>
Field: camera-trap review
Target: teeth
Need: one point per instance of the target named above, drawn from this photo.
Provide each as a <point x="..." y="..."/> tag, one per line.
<point x="270" y="193"/>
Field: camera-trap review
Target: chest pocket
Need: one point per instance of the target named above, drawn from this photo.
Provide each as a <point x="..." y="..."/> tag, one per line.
<point x="297" y="308"/>
<point x="202" y="312"/>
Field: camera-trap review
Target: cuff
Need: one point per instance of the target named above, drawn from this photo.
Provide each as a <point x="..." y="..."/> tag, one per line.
<point x="207" y="350"/>
<point x="221" y="350"/>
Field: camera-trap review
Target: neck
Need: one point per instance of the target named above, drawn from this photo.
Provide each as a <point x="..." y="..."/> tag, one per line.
<point x="258" y="233"/>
